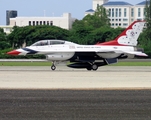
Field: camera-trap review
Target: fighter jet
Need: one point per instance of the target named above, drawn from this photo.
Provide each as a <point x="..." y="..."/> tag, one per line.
<point x="89" y="57"/>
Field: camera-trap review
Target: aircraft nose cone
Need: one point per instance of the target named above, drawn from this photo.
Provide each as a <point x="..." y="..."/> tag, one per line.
<point x="14" y="52"/>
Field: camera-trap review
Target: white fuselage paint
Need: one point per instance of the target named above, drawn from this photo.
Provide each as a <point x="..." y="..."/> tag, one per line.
<point x="67" y="51"/>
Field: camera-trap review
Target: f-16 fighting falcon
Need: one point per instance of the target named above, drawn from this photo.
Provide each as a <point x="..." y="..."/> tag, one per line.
<point x="88" y="56"/>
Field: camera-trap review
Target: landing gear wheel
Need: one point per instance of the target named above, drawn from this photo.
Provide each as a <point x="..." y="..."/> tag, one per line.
<point x="94" y="67"/>
<point x="53" y="67"/>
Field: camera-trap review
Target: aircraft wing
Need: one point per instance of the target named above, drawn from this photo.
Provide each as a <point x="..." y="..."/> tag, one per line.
<point x="109" y="51"/>
<point x="138" y="53"/>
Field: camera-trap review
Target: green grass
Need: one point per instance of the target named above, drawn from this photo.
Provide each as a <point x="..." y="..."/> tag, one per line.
<point x="49" y="64"/>
<point x="132" y="64"/>
<point x="25" y="63"/>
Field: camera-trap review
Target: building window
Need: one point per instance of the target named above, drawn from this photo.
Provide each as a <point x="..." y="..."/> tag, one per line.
<point x="33" y="23"/>
<point x="44" y="23"/>
<point x="7" y="29"/>
<point x="119" y="24"/>
<point x="116" y="24"/>
<point x="51" y="23"/>
<point x="139" y="19"/>
<point x="116" y="19"/>
<point x="116" y="12"/>
<point x="132" y="12"/>
<point x="40" y="22"/>
<point x="37" y="23"/>
<point x="47" y="22"/>
<point x="144" y="12"/>
<point x="139" y="12"/>
<point x="119" y="19"/>
<point x="29" y="23"/>
<point x="125" y="12"/>
<point x="112" y="12"/>
<point x="112" y="19"/>
<point x="125" y="19"/>
<point x="120" y="12"/>
<point x="112" y="24"/>
<point x="109" y="12"/>
<point x="125" y="24"/>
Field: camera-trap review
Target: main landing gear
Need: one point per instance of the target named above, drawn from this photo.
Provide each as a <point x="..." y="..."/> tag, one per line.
<point x="92" y="67"/>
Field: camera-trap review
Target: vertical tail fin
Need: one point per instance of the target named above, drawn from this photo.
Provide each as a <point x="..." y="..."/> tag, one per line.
<point x="129" y="36"/>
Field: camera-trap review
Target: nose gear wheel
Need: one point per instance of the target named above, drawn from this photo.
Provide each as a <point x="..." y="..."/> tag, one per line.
<point x="53" y="67"/>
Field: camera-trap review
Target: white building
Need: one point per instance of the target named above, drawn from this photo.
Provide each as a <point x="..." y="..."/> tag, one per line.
<point x="65" y="21"/>
<point x="140" y="10"/>
<point x="121" y="14"/>
<point x="98" y="2"/>
<point x="7" y="28"/>
<point x="89" y="12"/>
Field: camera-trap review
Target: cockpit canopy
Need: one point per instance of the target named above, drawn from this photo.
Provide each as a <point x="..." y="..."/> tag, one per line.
<point x="48" y="42"/>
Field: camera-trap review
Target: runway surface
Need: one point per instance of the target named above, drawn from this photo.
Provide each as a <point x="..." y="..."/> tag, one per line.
<point x="108" y="77"/>
<point x="111" y="93"/>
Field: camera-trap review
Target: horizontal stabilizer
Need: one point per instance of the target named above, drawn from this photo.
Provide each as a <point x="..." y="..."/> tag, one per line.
<point x="138" y="53"/>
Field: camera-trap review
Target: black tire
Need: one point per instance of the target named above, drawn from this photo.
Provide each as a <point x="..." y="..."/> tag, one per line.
<point x="53" y="67"/>
<point x="94" y="67"/>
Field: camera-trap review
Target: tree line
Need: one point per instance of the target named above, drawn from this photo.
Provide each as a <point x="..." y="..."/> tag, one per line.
<point x="90" y="30"/>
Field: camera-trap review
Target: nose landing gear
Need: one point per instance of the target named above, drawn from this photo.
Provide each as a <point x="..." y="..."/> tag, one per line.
<point x="53" y="67"/>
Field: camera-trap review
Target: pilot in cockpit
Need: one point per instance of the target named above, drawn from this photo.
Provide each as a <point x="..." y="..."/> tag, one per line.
<point x="43" y="43"/>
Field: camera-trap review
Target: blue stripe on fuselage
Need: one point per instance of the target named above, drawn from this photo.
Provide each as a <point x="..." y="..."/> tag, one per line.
<point x="30" y="51"/>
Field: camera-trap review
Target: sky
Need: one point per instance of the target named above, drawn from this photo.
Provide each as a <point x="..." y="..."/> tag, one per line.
<point x="49" y="8"/>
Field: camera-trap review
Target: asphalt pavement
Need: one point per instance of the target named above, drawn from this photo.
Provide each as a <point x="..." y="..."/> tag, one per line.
<point x="75" y="105"/>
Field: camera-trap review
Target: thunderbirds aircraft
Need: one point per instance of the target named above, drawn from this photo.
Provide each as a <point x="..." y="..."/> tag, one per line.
<point x="88" y="56"/>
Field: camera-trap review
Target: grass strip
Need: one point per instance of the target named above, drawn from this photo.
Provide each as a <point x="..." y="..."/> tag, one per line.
<point x="49" y="64"/>
<point x="25" y="63"/>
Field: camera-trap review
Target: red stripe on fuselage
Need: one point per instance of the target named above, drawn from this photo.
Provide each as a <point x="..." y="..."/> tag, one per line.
<point x="14" y="52"/>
